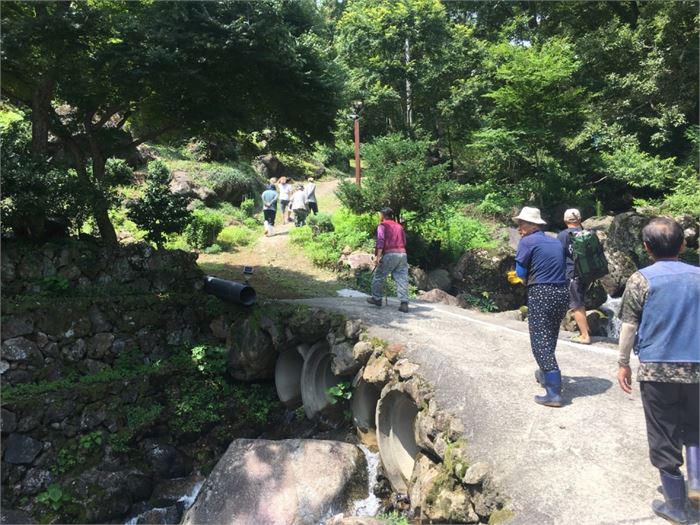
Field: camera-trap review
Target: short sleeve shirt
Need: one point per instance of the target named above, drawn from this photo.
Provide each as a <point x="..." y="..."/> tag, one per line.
<point x="543" y="257"/>
<point x="564" y="237"/>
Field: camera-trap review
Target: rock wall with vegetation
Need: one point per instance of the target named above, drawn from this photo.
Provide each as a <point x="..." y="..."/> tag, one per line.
<point x="112" y="380"/>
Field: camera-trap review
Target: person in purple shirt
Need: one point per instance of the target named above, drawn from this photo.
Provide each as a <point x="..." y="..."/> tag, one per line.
<point x="540" y="263"/>
<point x="390" y="258"/>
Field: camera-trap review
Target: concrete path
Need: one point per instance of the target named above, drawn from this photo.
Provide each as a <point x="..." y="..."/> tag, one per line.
<point x="585" y="463"/>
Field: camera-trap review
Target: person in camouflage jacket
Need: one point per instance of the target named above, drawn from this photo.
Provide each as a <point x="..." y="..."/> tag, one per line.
<point x="660" y="313"/>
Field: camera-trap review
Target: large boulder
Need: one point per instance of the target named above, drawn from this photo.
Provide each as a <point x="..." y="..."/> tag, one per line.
<point x="251" y="352"/>
<point x="691" y="228"/>
<point x="280" y="482"/>
<point x="356" y="261"/>
<point x="438" y="296"/>
<point x="268" y="166"/>
<point x="480" y="271"/>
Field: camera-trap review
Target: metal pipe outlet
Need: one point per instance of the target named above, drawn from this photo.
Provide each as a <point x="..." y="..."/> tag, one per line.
<point x="230" y="291"/>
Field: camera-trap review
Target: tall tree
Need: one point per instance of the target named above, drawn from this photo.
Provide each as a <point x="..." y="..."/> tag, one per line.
<point x="123" y="72"/>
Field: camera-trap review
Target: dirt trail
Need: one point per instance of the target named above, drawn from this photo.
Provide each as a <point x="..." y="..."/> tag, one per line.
<point x="282" y="271"/>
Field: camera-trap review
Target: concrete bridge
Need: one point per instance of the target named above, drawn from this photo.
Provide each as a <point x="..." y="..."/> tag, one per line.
<point x="584" y="463"/>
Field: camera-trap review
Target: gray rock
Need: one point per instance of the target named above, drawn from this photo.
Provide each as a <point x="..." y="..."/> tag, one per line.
<point x="343" y="360"/>
<point x="251" y="352"/>
<point x="161" y="516"/>
<point x="8" y="421"/>
<point x="98" y="321"/>
<point x="438" y="296"/>
<point x="16" y="377"/>
<point x="93" y="415"/>
<point x="93" y="366"/>
<point x="204" y="194"/>
<point x="440" y="278"/>
<point x="13" y="516"/>
<point x="41" y="339"/>
<point x="419" y="277"/>
<point x="352" y="328"/>
<point x="405" y="368"/>
<point x="4" y="366"/>
<point x="288" y="481"/>
<point x="36" y="480"/>
<point x="21" y="449"/>
<point x="357" y="261"/>
<point x="99" y="344"/>
<point x="181" y="183"/>
<point x="15" y="326"/>
<point x="21" y="350"/>
<point x="165" y="460"/>
<point x="30" y="420"/>
<point x="476" y="473"/>
<point x="75" y="352"/>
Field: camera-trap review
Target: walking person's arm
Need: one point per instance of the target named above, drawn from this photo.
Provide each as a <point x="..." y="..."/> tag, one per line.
<point x="633" y="300"/>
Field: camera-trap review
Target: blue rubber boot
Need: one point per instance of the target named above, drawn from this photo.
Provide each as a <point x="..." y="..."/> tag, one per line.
<point x="673" y="508"/>
<point x="539" y="377"/>
<point x="552" y="387"/>
<point x="692" y="463"/>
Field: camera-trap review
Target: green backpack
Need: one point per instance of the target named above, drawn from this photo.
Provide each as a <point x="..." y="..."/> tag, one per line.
<point x="589" y="259"/>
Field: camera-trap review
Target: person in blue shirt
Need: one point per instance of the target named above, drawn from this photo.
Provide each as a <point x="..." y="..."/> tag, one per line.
<point x="539" y="262"/>
<point x="269" y="200"/>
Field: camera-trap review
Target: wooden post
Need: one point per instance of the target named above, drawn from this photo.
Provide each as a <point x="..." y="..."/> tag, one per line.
<point x="358" y="174"/>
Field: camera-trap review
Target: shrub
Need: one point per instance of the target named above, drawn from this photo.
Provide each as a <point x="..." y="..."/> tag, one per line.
<point x="248" y="207"/>
<point x="321" y="223"/>
<point x="232" y="184"/>
<point x="204" y="228"/>
<point x="233" y="236"/>
<point x="685" y="197"/>
<point x="32" y="190"/>
<point x="118" y="173"/>
<point x="159" y="212"/>
<point x="213" y="249"/>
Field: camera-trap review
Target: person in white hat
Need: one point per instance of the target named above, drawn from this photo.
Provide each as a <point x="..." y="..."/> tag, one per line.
<point x="577" y="285"/>
<point x="539" y="262"/>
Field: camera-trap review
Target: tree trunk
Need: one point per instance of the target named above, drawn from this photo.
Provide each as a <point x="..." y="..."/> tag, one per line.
<point x="101" y="206"/>
<point x="409" y="101"/>
<point x="41" y="105"/>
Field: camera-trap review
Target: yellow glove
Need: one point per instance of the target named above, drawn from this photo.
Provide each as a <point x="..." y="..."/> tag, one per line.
<point x="513" y="278"/>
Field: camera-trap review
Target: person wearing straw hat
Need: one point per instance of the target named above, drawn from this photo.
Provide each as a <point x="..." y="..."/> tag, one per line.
<point x="577" y="285"/>
<point x="539" y="262"/>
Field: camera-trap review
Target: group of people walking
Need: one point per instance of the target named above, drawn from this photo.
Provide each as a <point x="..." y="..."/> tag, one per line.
<point x="660" y="313"/>
<point x="295" y="200"/>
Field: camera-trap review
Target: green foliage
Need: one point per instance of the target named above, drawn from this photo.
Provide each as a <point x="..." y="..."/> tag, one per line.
<point x="400" y="175"/>
<point x="78" y="452"/>
<point x="139" y="418"/>
<point x="483" y="301"/>
<point x="684" y="197"/>
<point x="234" y="183"/>
<point x="213" y="249"/>
<point x="159" y="212"/>
<point x="393" y="518"/>
<point x="454" y="232"/>
<point x="340" y="392"/>
<point x="33" y="189"/>
<point x="118" y="173"/>
<point x="349" y="230"/>
<point x="248" y="207"/>
<point x="54" y="497"/>
<point x="204" y="228"/>
<point x="233" y="236"/>
<point x="54" y="285"/>
<point x="320" y="223"/>
<point x="255" y="402"/>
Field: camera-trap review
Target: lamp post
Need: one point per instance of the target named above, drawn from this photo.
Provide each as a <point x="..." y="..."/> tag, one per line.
<point x="355" y="116"/>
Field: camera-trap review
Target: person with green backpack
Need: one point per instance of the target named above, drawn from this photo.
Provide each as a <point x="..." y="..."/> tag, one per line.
<point x="585" y="262"/>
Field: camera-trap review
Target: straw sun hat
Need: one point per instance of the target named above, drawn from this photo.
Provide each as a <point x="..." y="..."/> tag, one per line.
<point x="528" y="214"/>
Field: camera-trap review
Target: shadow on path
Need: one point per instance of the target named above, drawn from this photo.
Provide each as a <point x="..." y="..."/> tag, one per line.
<point x="583" y="386"/>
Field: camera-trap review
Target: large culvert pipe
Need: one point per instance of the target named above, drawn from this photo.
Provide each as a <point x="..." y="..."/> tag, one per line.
<point x="316" y="379"/>
<point x="364" y="405"/>
<point x="288" y="377"/>
<point x="396" y="417"/>
<point x="230" y="291"/>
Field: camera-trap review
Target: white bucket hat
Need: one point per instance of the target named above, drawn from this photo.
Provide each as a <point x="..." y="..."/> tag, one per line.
<point x="528" y="214"/>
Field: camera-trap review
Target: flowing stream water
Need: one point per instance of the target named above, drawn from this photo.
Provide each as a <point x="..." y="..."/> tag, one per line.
<point x="611" y="308"/>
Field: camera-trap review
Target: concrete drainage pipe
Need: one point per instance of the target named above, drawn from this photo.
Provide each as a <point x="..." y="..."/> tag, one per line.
<point x="364" y="405"/>
<point x="288" y="377"/>
<point x="316" y="379"/>
<point x="396" y="416"/>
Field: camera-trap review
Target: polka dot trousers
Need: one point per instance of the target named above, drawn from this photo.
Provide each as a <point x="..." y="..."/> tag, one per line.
<point x="546" y="306"/>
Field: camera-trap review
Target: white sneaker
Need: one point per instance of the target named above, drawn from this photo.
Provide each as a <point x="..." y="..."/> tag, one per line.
<point x="269" y="231"/>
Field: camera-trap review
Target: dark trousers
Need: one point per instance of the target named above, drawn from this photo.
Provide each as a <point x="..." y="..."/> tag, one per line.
<point x="270" y="216"/>
<point x="546" y="307"/>
<point x="313" y="207"/>
<point x="671" y="413"/>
